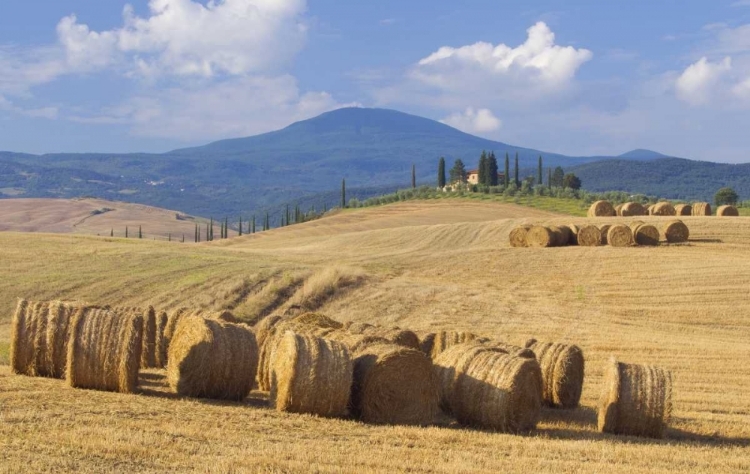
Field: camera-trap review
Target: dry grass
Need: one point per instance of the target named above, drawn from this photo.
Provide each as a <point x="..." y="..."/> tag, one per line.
<point x="689" y="315"/>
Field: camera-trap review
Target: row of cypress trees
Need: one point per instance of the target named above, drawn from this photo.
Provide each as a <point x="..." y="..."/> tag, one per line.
<point x="488" y="172"/>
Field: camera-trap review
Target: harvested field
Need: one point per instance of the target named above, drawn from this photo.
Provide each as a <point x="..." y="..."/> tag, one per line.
<point x="688" y="316"/>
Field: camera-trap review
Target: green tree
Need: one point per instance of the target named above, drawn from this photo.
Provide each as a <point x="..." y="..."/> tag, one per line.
<point x="413" y="176"/>
<point x="126" y="232"/>
<point x="539" y="171"/>
<point x="140" y="232"/>
<point x="557" y="177"/>
<point x="343" y="193"/>
<point x="226" y="227"/>
<point x="492" y="169"/>
<point x="169" y="237"/>
<point x="441" y="173"/>
<point x="571" y="181"/>
<point x="507" y="169"/>
<point x="518" y="183"/>
<point x="482" y="168"/>
<point x="253" y="224"/>
<point x="240" y="226"/>
<point x="458" y="172"/>
<point x="112" y="232"/>
<point x="726" y="196"/>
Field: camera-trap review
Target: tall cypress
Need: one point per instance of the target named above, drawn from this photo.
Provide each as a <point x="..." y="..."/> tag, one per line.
<point x="140" y="232"/>
<point x="112" y="232"/>
<point x="492" y="169"/>
<point x="343" y="193"/>
<point x="126" y="232"/>
<point x="169" y="238"/>
<point x="240" y="226"/>
<point x="482" y="168"/>
<point x="195" y="237"/>
<point x="268" y="222"/>
<point x="549" y="177"/>
<point x="413" y="176"/>
<point x="518" y="183"/>
<point x="226" y="227"/>
<point x="441" y="173"/>
<point x="539" y="171"/>
<point x="183" y="238"/>
<point x="507" y="170"/>
<point x="253" y="223"/>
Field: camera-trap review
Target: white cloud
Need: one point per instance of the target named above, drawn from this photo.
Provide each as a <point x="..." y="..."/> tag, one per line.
<point x="538" y="59"/>
<point x="41" y="112"/>
<point x="238" y="106"/>
<point x="696" y="84"/>
<point x="474" y="121"/>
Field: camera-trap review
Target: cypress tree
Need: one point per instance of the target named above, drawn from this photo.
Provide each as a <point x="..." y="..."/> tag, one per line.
<point x="539" y="171"/>
<point x="140" y="232"/>
<point x="343" y="193"/>
<point x="413" y="176"/>
<point x="240" y="226"/>
<point x="268" y="222"/>
<point x="482" y="168"/>
<point x="441" y="173"/>
<point x="507" y="170"/>
<point x="492" y="169"/>
<point x="126" y="232"/>
<point x="518" y="183"/>
<point x="169" y="238"/>
<point x="112" y="232"/>
<point x="253" y="223"/>
<point x="549" y="177"/>
<point x="183" y="238"/>
<point x="226" y="227"/>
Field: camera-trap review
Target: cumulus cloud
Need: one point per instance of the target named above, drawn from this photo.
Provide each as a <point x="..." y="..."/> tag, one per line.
<point x="696" y="84"/>
<point x="479" y="121"/>
<point x="538" y="59"/>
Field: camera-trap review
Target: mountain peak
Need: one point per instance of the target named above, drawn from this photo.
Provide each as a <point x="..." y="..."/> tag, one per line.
<point x="642" y="154"/>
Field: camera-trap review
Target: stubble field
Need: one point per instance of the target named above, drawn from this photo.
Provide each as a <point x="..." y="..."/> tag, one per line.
<point x="431" y="265"/>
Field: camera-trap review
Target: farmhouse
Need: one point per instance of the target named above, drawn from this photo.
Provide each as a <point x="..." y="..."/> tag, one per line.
<point x="472" y="177"/>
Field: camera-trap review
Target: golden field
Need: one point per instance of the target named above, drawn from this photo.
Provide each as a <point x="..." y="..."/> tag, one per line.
<point x="420" y="265"/>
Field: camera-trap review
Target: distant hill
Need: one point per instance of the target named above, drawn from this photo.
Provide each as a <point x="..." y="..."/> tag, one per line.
<point x="372" y="148"/>
<point x="94" y="217"/>
<point x="673" y="178"/>
<point x="642" y="155"/>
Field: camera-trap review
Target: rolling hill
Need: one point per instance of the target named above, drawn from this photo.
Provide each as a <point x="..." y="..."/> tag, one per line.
<point x="673" y="178"/>
<point x="94" y="217"/>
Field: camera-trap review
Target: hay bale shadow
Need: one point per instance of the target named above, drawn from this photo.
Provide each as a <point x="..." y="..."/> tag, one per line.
<point x="707" y="241"/>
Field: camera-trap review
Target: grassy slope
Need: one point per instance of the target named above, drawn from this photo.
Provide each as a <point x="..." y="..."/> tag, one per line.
<point x="441" y="264"/>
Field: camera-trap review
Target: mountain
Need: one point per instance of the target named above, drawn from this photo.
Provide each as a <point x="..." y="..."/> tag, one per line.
<point x="672" y="178"/>
<point x="303" y="163"/>
<point x="642" y="155"/>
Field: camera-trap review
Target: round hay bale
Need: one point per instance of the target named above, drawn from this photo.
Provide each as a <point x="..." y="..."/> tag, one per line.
<point x="602" y="209"/>
<point x="29" y="338"/>
<point x="727" y="211"/>
<point x="539" y="236"/>
<point x="446" y="339"/>
<point x="701" y="209"/>
<point x="104" y="350"/>
<point x="663" y="209"/>
<point x="172" y="319"/>
<point x="562" y="235"/>
<point x="394" y="385"/>
<point x="618" y="210"/>
<point x="499" y="391"/>
<point x="148" y="353"/>
<point x="311" y="375"/>
<point x="212" y="359"/>
<point x="562" y="372"/>
<point x="646" y="234"/>
<point x="58" y="334"/>
<point x="317" y="320"/>
<point x="620" y="235"/>
<point x="634" y="225"/>
<point x="683" y="210"/>
<point x="636" y="400"/>
<point x="574" y="229"/>
<point x="589" y="236"/>
<point x="630" y="209"/>
<point x="676" y="232"/>
<point x="517" y="236"/>
<point x="161" y="325"/>
<point x="453" y="362"/>
<point x="604" y="230"/>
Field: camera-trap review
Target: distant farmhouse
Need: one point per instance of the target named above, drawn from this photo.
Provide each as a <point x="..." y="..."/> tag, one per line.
<point x="472" y="177"/>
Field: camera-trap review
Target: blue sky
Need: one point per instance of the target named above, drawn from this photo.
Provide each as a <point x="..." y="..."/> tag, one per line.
<point x="575" y="77"/>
